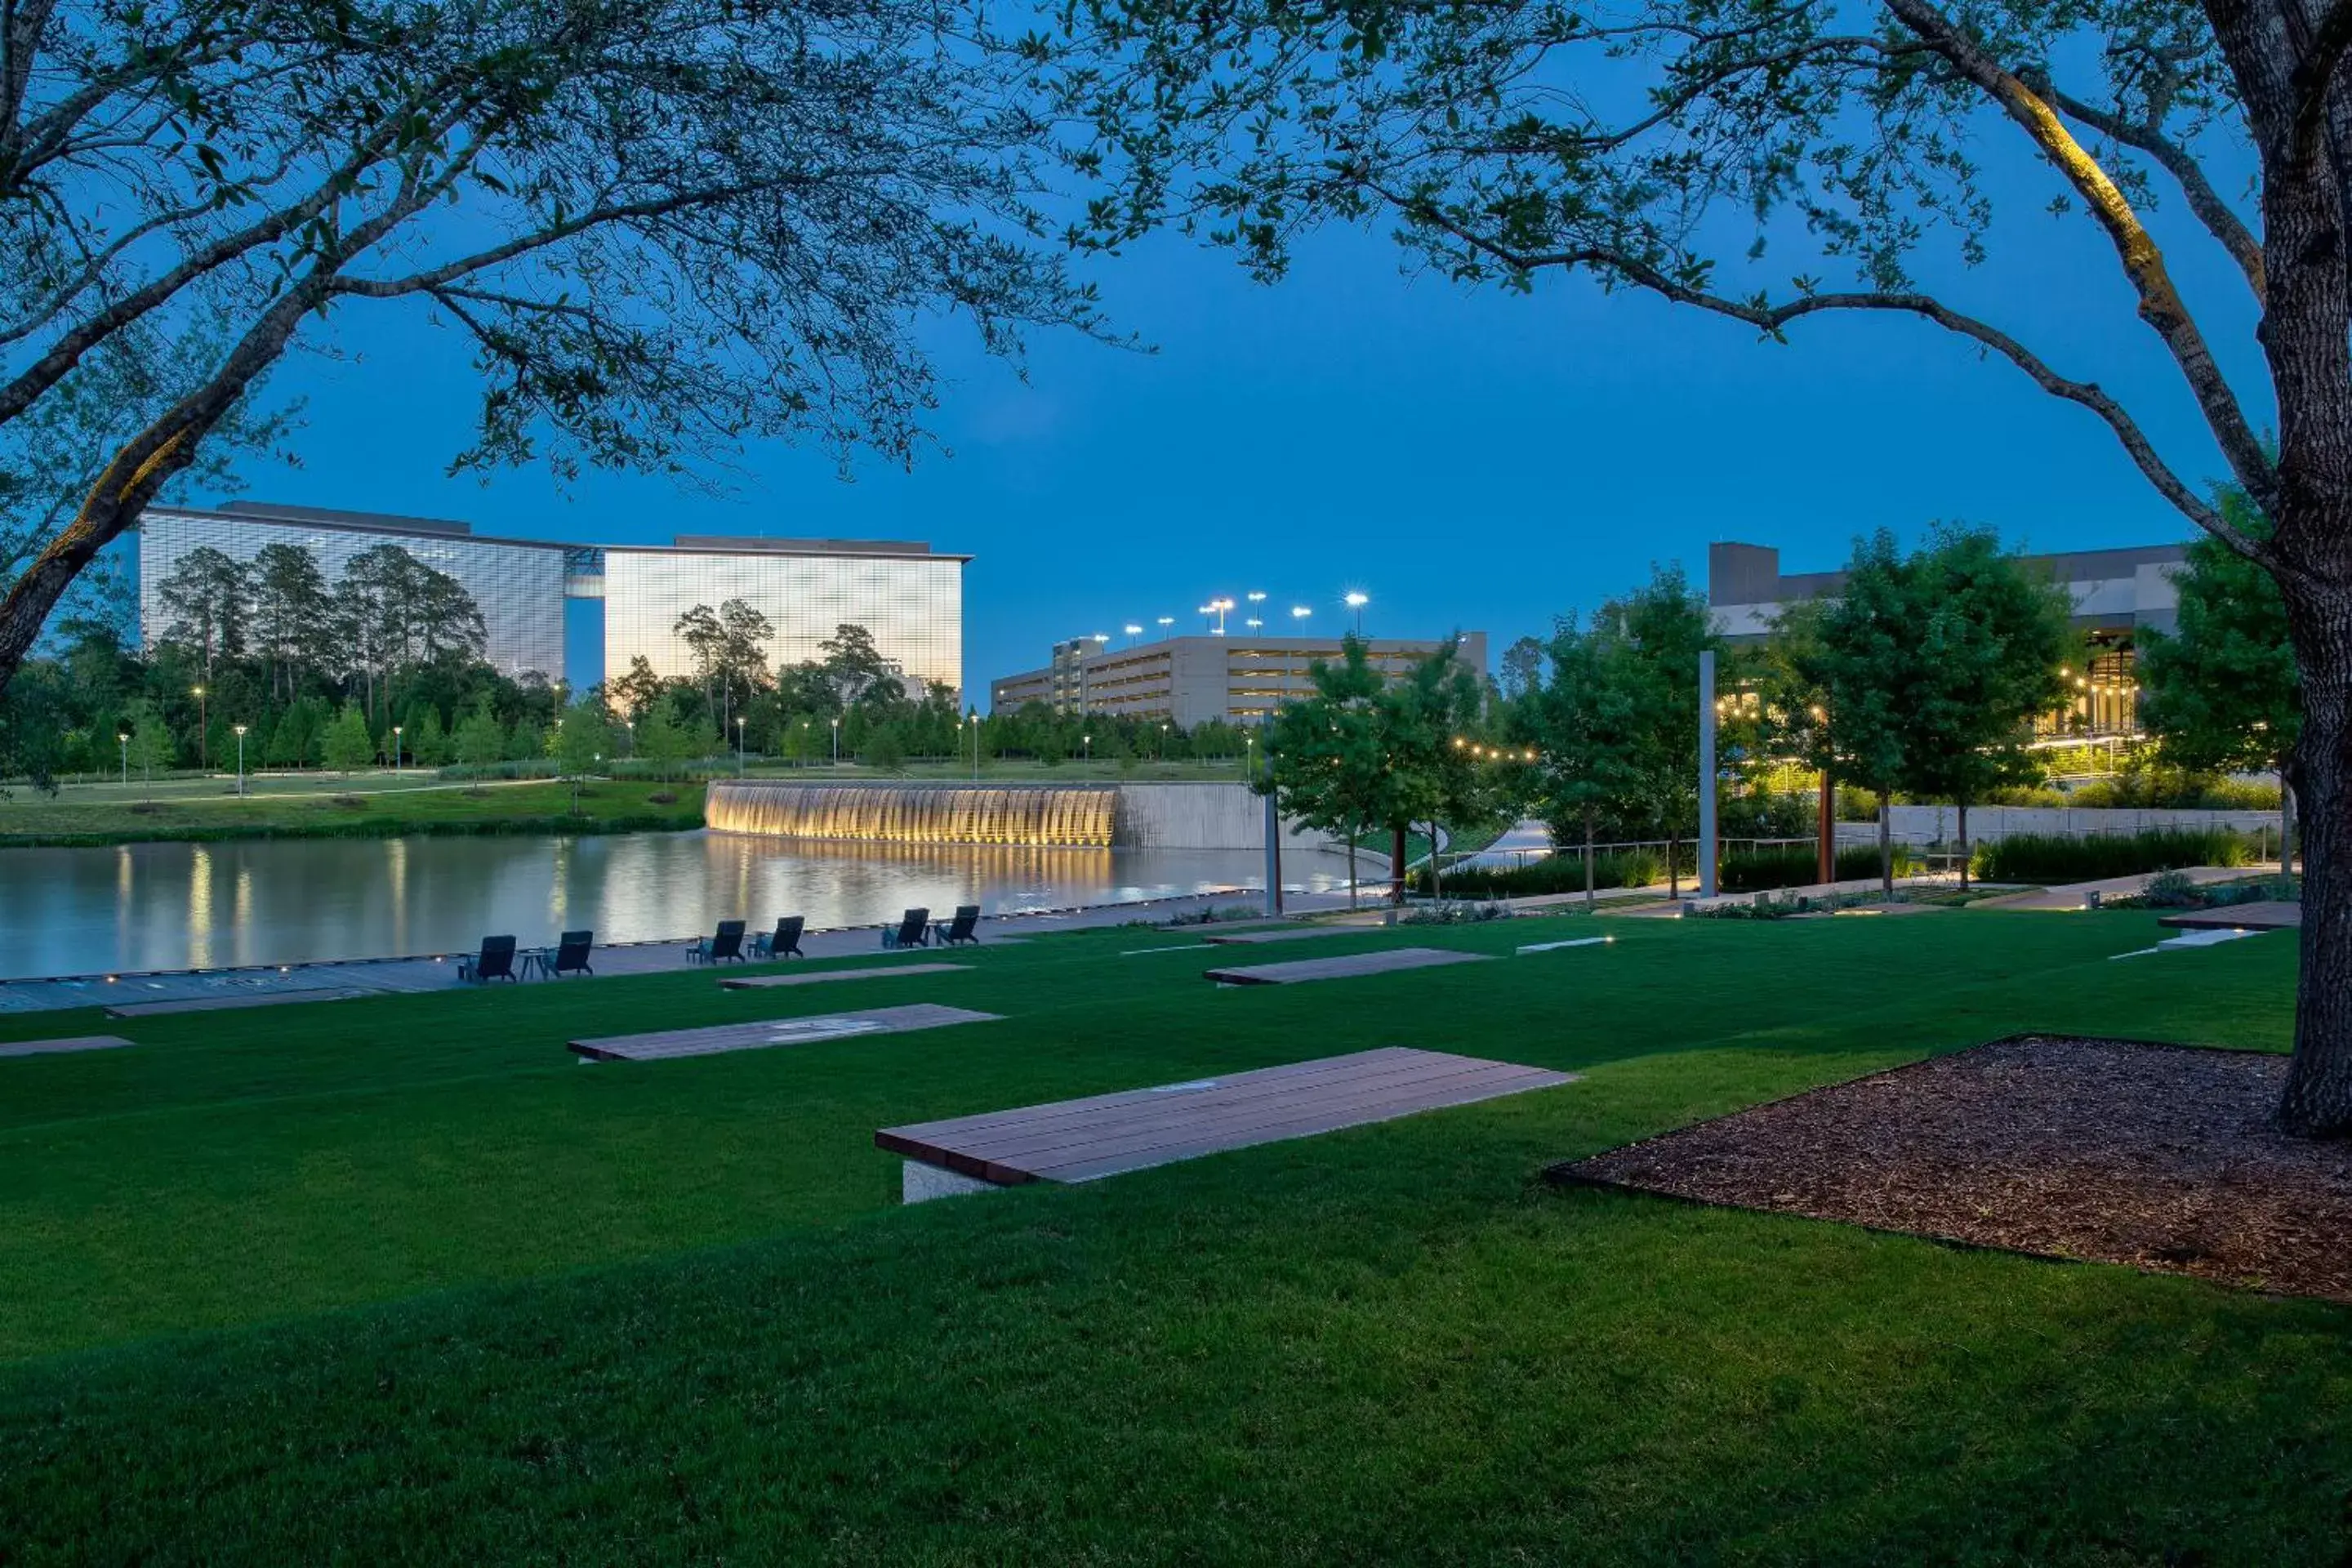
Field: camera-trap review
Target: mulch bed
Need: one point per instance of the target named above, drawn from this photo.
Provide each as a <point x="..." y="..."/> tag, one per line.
<point x="2161" y="1157"/>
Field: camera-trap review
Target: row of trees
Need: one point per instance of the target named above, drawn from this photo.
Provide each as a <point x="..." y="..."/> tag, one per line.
<point x="1926" y="676"/>
<point x="67" y="711"/>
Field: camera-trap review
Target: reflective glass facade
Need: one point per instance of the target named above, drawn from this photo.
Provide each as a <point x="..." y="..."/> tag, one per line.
<point x="911" y="601"/>
<point x="909" y="597"/>
<point x="519" y="587"/>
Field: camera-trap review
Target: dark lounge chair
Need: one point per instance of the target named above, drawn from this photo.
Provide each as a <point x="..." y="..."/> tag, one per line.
<point x="496" y="961"/>
<point x="914" y="930"/>
<point x="728" y="943"/>
<point x="785" y="941"/>
<point x="959" y="929"/>
<point x="571" y="954"/>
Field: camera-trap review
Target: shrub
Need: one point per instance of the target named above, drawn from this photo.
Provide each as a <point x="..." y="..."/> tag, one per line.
<point x="2172" y="890"/>
<point x="1454" y="914"/>
<point x="1560" y="873"/>
<point x="2053" y="858"/>
<point x="1795" y="865"/>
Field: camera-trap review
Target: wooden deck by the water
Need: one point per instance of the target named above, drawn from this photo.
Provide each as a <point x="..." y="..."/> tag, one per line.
<point x="819" y="976"/>
<point x="1346" y="968"/>
<point x="765" y="1032"/>
<point x="1082" y="1139"/>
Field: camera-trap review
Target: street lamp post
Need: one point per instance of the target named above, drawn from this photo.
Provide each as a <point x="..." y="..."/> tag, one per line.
<point x="1299" y="612"/>
<point x="240" y="757"/>
<point x="1133" y="632"/>
<point x="1088" y="742"/>
<point x="975" y="745"/>
<point x="1165" y="622"/>
<point x="836" y="742"/>
<point x="395" y="750"/>
<point x="1357" y="602"/>
<point x="123" y="738"/>
<point x="739" y="745"/>
<point x="204" y="730"/>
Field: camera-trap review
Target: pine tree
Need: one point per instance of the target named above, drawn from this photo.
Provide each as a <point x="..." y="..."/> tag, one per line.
<point x="348" y="745"/>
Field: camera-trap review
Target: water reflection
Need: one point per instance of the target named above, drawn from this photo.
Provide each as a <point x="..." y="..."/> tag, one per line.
<point x="160" y="906"/>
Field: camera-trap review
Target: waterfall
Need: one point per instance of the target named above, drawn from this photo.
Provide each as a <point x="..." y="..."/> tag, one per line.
<point x="916" y="814"/>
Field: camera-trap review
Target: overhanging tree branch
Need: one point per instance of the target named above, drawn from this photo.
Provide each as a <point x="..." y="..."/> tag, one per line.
<point x="1772" y="319"/>
<point x="2160" y="305"/>
<point x="2203" y="200"/>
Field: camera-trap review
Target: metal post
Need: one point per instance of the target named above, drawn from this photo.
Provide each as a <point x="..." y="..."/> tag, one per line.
<point x="1707" y="773"/>
<point x="1273" y="856"/>
<point x="1826" y="827"/>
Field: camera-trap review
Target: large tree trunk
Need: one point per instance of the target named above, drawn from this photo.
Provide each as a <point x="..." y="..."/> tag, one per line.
<point x="2318" y="1099"/>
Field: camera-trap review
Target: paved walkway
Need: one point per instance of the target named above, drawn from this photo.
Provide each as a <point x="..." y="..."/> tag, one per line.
<point x="2076" y="895"/>
<point x="378" y="976"/>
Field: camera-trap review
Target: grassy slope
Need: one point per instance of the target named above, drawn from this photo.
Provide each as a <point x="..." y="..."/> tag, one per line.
<point x="1386" y="1343"/>
<point x="539" y="807"/>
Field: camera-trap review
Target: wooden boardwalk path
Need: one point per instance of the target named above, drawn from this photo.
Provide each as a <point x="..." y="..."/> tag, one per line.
<point x="1083" y="1140"/>
<point x="71" y="1043"/>
<point x="1346" y="968"/>
<point x="2269" y="915"/>
<point x="762" y="1033"/>
<point x="819" y="976"/>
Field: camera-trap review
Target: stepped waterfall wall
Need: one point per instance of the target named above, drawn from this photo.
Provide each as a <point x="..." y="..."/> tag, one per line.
<point x="1124" y="815"/>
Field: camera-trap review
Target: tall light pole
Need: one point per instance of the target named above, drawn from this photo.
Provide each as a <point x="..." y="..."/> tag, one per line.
<point x="1165" y="622"/>
<point x="836" y="742"/>
<point x="1299" y="612"/>
<point x="1088" y="742"/>
<point x="975" y="745"/>
<point x="1706" y="719"/>
<point x="204" y="730"/>
<point x="240" y="757"/>
<point x="631" y="726"/>
<point x="1357" y="602"/>
<point x="1133" y="632"/>
<point x="739" y="745"/>
<point x="395" y="750"/>
<point x="123" y="737"/>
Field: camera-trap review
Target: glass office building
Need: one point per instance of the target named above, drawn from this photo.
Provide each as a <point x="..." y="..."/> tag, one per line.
<point x="909" y="597"/>
<point x="517" y="583"/>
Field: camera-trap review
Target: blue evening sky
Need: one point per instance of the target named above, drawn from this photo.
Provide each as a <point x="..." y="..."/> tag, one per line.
<point x="1479" y="460"/>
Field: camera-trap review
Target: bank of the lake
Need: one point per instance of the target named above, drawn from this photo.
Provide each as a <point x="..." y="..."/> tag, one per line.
<point x="140" y="908"/>
<point x="326" y="808"/>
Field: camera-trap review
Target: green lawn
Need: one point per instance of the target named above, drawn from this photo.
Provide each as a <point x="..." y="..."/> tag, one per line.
<point x="395" y="1281"/>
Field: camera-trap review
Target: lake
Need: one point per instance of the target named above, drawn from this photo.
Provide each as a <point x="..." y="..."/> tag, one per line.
<point x="196" y="906"/>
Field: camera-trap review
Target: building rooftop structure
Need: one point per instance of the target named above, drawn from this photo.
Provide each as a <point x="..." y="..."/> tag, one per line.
<point x="2117" y="594"/>
<point x="1188" y="680"/>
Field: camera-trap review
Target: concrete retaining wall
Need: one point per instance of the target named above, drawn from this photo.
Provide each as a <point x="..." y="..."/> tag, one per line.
<point x="1203" y="816"/>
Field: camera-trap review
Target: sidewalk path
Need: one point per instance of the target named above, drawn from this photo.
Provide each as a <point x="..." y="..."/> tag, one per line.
<point x="2076" y="894"/>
